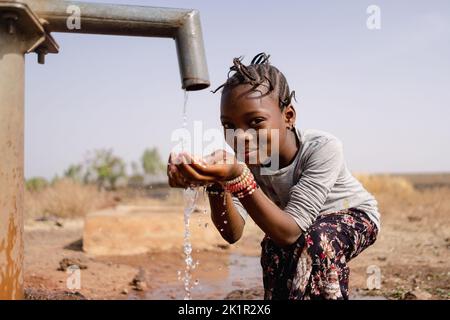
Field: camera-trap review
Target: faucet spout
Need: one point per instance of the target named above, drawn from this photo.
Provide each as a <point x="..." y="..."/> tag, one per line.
<point x="183" y="25"/>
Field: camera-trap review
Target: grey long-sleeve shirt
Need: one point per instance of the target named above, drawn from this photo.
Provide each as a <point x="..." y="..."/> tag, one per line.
<point x="316" y="182"/>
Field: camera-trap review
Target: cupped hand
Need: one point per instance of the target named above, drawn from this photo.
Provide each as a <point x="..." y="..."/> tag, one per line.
<point x="185" y="170"/>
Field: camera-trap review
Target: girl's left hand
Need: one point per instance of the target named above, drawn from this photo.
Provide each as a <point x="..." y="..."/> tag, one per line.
<point x="218" y="167"/>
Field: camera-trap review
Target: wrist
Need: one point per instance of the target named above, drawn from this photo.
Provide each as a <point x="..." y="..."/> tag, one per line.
<point x="242" y="185"/>
<point x="237" y="171"/>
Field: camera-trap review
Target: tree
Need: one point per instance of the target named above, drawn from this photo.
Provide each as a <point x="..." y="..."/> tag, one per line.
<point x="151" y="162"/>
<point x="36" y="183"/>
<point x="105" y="169"/>
<point x="74" y="172"/>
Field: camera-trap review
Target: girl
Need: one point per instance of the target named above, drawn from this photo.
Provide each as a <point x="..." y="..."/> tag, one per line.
<point x="315" y="214"/>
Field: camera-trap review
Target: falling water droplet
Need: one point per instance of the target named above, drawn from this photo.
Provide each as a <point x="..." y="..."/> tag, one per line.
<point x="185" y="109"/>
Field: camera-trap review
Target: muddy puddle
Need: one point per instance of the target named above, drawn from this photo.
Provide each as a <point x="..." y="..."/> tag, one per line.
<point x="216" y="277"/>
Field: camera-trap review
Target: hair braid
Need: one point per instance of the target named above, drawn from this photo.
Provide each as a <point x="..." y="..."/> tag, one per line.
<point x="259" y="73"/>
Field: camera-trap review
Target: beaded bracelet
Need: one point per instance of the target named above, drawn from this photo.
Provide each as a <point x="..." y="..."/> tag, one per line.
<point x="243" y="185"/>
<point x="245" y="172"/>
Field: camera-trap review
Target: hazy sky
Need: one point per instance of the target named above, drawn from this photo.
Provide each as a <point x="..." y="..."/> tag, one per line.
<point x="385" y="93"/>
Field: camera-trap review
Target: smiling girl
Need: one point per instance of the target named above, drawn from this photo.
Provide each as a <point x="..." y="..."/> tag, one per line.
<point x="316" y="216"/>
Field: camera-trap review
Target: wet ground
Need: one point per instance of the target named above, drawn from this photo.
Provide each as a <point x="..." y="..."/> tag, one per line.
<point x="238" y="274"/>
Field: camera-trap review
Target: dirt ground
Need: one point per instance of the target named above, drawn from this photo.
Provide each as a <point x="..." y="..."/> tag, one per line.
<point x="411" y="253"/>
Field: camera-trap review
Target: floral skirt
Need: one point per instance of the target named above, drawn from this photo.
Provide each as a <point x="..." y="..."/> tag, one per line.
<point x="315" y="266"/>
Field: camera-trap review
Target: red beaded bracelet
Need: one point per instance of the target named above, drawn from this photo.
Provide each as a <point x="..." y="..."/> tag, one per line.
<point x="243" y="185"/>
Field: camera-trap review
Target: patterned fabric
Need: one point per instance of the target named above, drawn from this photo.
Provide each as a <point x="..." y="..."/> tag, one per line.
<point x="315" y="266"/>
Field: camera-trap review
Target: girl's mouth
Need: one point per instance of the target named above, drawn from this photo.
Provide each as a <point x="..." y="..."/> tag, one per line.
<point x="250" y="151"/>
<point x="251" y="156"/>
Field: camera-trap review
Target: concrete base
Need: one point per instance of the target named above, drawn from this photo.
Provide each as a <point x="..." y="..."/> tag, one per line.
<point x="128" y="230"/>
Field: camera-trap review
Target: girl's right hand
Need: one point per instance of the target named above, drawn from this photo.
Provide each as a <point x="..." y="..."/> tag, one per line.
<point x="185" y="171"/>
<point x="176" y="179"/>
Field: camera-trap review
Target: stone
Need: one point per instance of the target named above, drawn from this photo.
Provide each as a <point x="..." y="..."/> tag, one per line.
<point x="65" y="263"/>
<point x="130" y="230"/>
<point x="418" y="294"/>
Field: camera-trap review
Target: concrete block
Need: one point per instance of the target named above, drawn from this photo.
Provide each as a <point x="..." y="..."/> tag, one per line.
<point x="128" y="230"/>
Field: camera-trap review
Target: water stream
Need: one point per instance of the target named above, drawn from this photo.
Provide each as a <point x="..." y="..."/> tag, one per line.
<point x="191" y="196"/>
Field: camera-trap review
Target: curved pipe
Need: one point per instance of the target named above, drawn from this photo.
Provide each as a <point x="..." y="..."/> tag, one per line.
<point x="183" y="25"/>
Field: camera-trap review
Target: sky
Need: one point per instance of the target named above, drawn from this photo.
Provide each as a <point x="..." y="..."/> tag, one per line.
<point x="385" y="93"/>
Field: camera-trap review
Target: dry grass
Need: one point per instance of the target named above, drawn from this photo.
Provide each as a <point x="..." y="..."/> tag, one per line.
<point x="65" y="198"/>
<point x="398" y="194"/>
<point x="380" y="184"/>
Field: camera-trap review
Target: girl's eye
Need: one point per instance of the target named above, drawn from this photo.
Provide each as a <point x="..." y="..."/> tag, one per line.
<point x="227" y="125"/>
<point x="256" y="121"/>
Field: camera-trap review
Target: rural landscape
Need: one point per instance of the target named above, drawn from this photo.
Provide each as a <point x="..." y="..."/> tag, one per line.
<point x="94" y="217"/>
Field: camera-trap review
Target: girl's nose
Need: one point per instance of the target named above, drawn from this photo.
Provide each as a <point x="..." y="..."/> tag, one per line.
<point x="247" y="139"/>
<point x="243" y="135"/>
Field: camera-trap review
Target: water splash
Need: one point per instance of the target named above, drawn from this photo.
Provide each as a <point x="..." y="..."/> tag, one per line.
<point x="191" y="196"/>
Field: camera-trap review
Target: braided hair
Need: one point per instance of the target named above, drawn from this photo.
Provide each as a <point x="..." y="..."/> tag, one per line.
<point x="259" y="73"/>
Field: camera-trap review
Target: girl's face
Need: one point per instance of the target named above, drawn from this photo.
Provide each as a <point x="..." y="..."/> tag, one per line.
<point x="260" y="128"/>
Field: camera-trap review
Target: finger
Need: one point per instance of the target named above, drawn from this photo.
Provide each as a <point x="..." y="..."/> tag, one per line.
<point x="175" y="158"/>
<point x="176" y="179"/>
<point x="172" y="158"/>
<point x="215" y="156"/>
<point x="211" y="171"/>
<point x="169" y="165"/>
<point x="197" y="170"/>
<point x="195" y="162"/>
<point x="221" y="157"/>
<point x="171" y="170"/>
<point x="193" y="176"/>
<point x="187" y="158"/>
<point x="179" y="180"/>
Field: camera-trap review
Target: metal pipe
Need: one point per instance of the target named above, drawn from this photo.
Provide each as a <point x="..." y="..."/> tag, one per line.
<point x="24" y="30"/>
<point x="12" y="74"/>
<point x="183" y="25"/>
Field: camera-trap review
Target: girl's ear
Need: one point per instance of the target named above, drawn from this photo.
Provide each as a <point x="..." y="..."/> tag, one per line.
<point x="289" y="116"/>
